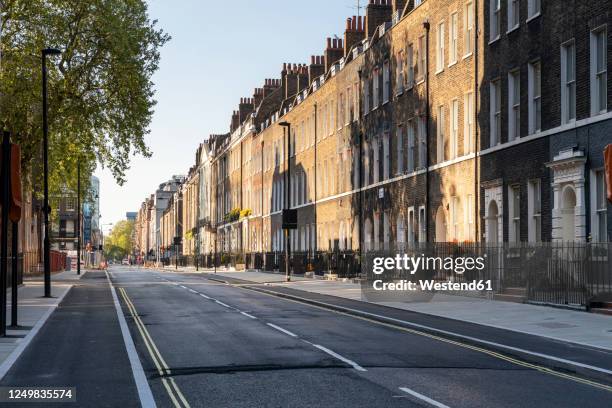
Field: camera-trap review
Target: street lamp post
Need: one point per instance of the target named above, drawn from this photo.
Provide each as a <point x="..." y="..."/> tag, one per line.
<point x="288" y="202"/>
<point x="78" y="225"/>
<point x="47" y="244"/>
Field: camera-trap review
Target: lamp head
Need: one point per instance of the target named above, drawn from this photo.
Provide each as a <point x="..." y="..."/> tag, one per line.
<point x="51" y="51"/>
<point x="285" y="124"/>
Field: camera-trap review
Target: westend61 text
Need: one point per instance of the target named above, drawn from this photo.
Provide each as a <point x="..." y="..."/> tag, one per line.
<point x="405" y="285"/>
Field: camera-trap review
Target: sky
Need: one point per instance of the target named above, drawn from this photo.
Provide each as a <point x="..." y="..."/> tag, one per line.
<point x="219" y="52"/>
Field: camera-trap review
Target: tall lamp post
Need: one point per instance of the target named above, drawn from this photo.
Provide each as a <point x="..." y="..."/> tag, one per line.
<point x="288" y="204"/>
<point x="78" y="226"/>
<point x="47" y="246"/>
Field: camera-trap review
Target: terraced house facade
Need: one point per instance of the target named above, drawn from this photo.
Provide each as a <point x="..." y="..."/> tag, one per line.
<point x="429" y="121"/>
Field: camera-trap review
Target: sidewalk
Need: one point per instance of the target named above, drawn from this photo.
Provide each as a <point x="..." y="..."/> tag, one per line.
<point x="559" y="324"/>
<point x="33" y="310"/>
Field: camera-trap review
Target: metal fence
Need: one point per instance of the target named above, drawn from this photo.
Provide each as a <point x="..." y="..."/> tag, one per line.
<point x="565" y="273"/>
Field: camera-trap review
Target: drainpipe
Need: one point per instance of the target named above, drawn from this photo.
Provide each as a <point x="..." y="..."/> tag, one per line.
<point x="476" y="130"/>
<point x="426" y="26"/>
<point x="360" y="175"/>
<point x="316" y="141"/>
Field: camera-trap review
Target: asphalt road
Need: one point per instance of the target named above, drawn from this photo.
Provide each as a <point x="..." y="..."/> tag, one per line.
<point x="205" y="343"/>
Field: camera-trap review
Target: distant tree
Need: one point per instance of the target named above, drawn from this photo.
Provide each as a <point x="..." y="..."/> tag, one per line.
<point x="118" y="244"/>
<point x="101" y="96"/>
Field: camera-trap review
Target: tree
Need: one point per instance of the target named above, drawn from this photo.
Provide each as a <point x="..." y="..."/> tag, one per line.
<point x="101" y="96"/>
<point x="118" y="244"/>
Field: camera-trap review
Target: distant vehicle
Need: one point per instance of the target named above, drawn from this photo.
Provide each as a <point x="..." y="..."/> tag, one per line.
<point x="125" y="262"/>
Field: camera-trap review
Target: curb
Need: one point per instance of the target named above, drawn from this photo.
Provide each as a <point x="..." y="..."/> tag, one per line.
<point x="547" y="361"/>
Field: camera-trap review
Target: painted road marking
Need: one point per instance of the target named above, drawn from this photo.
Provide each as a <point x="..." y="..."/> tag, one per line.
<point x="248" y="315"/>
<point x="222" y="304"/>
<point x="204" y="296"/>
<point x="424" y="398"/>
<point x="175" y="394"/>
<point x="282" y="330"/>
<point x="330" y="308"/>
<point x="142" y="385"/>
<point x="339" y="357"/>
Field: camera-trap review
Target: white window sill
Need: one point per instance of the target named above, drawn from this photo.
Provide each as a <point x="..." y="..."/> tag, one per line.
<point x="399" y="93"/>
<point x="495" y="39"/>
<point x="468" y="55"/>
<point x="439" y="71"/>
<point x="385" y="102"/>
<point x="420" y="81"/>
<point x="513" y="29"/>
<point x="536" y="15"/>
<point x="450" y="64"/>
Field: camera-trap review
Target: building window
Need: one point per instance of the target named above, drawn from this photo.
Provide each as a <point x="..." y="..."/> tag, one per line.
<point x="514" y="105"/>
<point x="386" y="157"/>
<point x="421" y="59"/>
<point x="440" y="48"/>
<point x="494" y="19"/>
<point x="454" y="129"/>
<point x="534" y="198"/>
<point x="376" y="88"/>
<point x="411" y="147"/>
<point x="376" y="230"/>
<point x="440" y="136"/>
<point x="410" y="63"/>
<point x="470" y="215"/>
<point x="400" y="149"/>
<point x="422" y="225"/>
<point x="495" y="101"/>
<point x="422" y="138"/>
<point x="386" y="82"/>
<point x="366" y="96"/>
<point x="535" y="97"/>
<point x="452" y="38"/>
<point x="601" y="208"/>
<point x="533" y="8"/>
<point x="366" y="164"/>
<point x="468" y="123"/>
<point x="468" y="28"/>
<point x="376" y="154"/>
<point x="568" y="82"/>
<point x="514" y="197"/>
<point x="455" y="210"/>
<point x="399" y="77"/>
<point x="513" y="14"/>
<point x="411" y="226"/>
<point x="386" y="230"/>
<point x="599" y="71"/>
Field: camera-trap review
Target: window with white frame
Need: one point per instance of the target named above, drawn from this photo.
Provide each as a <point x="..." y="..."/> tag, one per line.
<point x="514" y="105"/>
<point x="470" y="216"/>
<point x="440" y="48"/>
<point x="534" y="210"/>
<point x="513" y="14"/>
<point x="454" y="213"/>
<point x="366" y="96"/>
<point x="468" y="123"/>
<point x="386" y="229"/>
<point x="366" y="164"/>
<point x="376" y="231"/>
<point x="400" y="229"/>
<point x="386" y="157"/>
<point x="400" y="149"/>
<point x="454" y="129"/>
<point x="410" y="66"/>
<point x="422" y="136"/>
<point x="495" y="113"/>
<point x="452" y="38"/>
<point x="422" y="225"/>
<point x="375" y="88"/>
<point x="535" y="97"/>
<point x="411" y="227"/>
<point x="468" y="28"/>
<point x="440" y="135"/>
<point x="399" y="77"/>
<point x="421" y="59"/>
<point x="386" y="81"/>
<point x="376" y="155"/>
<point x="349" y="108"/>
<point x="514" y="201"/>
<point x="568" y="82"/>
<point x="494" y="19"/>
<point x="533" y="8"/>
<point x="411" y="164"/>
<point x="599" y="71"/>
<point x="600" y="224"/>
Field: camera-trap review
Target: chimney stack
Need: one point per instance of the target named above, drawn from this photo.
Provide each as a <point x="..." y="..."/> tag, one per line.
<point x="244" y="109"/>
<point x="258" y="95"/>
<point x="235" y="121"/>
<point x="302" y="78"/>
<point x="354" y="33"/>
<point x="377" y="12"/>
<point x="398" y="5"/>
<point x="289" y="79"/>
<point x="316" y="68"/>
<point x="270" y="85"/>
<point x="333" y="52"/>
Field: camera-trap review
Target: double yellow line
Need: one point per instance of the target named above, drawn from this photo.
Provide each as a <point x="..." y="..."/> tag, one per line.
<point x="482" y="350"/>
<point x="175" y="394"/>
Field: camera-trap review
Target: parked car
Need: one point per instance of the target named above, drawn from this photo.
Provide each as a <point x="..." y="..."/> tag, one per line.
<point x="125" y="262"/>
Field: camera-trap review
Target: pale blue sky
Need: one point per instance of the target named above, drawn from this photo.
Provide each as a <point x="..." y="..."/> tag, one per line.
<point x="219" y="52"/>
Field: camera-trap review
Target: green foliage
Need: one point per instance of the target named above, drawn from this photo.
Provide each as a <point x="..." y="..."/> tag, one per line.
<point x="233" y="215"/>
<point x="245" y="213"/>
<point x="118" y="244"/>
<point x="100" y="89"/>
